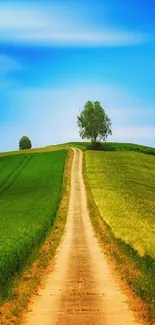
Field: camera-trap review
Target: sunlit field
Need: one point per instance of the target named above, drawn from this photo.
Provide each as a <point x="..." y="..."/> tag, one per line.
<point x="123" y="185"/>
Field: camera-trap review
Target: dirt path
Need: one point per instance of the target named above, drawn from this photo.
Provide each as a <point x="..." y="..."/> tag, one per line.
<point x="80" y="289"/>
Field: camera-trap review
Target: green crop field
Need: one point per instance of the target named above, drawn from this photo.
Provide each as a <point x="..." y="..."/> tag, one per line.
<point x="123" y="185"/>
<point x="30" y="191"/>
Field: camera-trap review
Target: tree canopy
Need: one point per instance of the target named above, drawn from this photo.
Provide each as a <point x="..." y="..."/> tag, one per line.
<point x="25" y="143"/>
<point x="93" y="122"/>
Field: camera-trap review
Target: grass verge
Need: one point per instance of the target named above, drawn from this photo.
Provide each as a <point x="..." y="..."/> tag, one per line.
<point x="12" y="310"/>
<point x="136" y="274"/>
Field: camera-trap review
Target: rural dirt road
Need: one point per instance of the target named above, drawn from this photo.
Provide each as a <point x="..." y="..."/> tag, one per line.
<point x="81" y="289"/>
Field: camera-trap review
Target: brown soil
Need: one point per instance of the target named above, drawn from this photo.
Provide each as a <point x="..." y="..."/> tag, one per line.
<point x="81" y="289"/>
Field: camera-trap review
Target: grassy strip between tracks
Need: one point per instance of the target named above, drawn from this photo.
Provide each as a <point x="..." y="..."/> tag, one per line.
<point x="134" y="272"/>
<point x="27" y="285"/>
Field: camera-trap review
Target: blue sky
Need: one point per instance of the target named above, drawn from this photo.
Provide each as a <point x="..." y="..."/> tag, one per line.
<point x="56" y="55"/>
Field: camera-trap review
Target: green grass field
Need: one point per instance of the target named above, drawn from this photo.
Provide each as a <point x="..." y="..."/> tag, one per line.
<point x="30" y="192"/>
<point x="123" y="185"/>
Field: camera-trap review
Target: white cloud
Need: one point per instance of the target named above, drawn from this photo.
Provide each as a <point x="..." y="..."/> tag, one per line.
<point x="91" y="38"/>
<point x="56" y="26"/>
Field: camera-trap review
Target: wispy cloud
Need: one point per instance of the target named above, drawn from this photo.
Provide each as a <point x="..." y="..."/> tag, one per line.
<point x="54" y="26"/>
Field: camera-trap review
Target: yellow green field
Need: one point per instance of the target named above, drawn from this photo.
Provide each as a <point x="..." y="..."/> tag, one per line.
<point x="123" y="186"/>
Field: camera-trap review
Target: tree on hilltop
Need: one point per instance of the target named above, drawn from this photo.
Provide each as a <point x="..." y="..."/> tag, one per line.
<point x="93" y="123"/>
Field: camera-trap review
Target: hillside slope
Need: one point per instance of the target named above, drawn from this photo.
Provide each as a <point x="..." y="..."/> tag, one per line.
<point x="106" y="146"/>
<point x="114" y="146"/>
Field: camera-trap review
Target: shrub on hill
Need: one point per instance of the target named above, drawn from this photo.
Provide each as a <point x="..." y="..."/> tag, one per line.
<point x="25" y="143"/>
